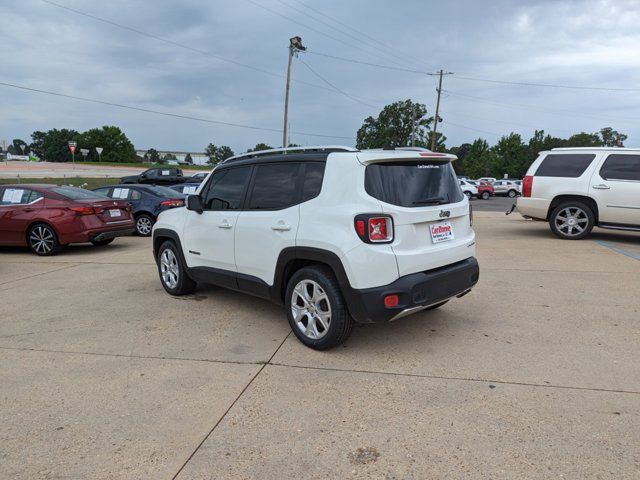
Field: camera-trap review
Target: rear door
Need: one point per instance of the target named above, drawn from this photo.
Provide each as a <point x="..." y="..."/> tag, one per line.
<point x="269" y="221"/>
<point x="616" y="188"/>
<point x="18" y="207"/>
<point x="430" y="213"/>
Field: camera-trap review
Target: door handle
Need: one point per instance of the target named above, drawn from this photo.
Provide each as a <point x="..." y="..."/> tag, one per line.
<point x="281" y="227"/>
<point x="29" y="209"/>
<point x="225" y="224"/>
<point x="602" y="186"/>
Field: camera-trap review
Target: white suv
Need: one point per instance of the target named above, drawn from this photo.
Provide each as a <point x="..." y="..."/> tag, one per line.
<point x="333" y="233"/>
<point x="468" y="188"/>
<point x="575" y="189"/>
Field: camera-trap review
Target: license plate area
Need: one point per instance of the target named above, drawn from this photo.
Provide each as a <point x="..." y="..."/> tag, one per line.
<point x="441" y="232"/>
<point x="115" y="212"/>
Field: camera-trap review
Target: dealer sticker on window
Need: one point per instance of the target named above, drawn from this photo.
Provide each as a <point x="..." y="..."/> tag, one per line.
<point x="441" y="232"/>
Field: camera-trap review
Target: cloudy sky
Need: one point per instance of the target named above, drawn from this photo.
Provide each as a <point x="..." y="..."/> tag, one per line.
<point x="231" y="60"/>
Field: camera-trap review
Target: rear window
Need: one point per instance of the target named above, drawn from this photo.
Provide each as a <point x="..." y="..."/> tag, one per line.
<point x="621" y="167"/>
<point x="313" y="176"/>
<point x="413" y="184"/>
<point x="73" y="193"/>
<point x="163" y="191"/>
<point x="564" y="165"/>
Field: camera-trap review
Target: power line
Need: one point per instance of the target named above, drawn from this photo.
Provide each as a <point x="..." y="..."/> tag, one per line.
<point x="540" y="109"/>
<point x="336" y="88"/>
<point x="342" y="32"/>
<point x="361" y="62"/>
<point x="166" y="114"/>
<point x="471" y="128"/>
<point x="300" y="24"/>
<point x="175" y="44"/>
<point x="352" y="29"/>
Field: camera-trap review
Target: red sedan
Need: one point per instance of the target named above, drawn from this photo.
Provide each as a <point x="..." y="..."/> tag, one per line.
<point x="47" y="217"/>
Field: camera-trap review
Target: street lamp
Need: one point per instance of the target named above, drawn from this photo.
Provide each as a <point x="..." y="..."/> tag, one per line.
<point x="99" y="150"/>
<point x="72" y="147"/>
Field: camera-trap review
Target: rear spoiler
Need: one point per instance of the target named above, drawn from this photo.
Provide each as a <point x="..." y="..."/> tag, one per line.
<point x="368" y="157"/>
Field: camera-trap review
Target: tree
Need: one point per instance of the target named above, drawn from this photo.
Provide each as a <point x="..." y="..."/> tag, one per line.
<point x="153" y="155"/>
<point x="481" y="159"/>
<point x="15" y="147"/>
<point x="511" y="156"/>
<point x="169" y="156"/>
<point x="394" y="125"/>
<point x="584" y="139"/>
<point x="53" y="145"/>
<point x="188" y="159"/>
<point x="115" y="144"/>
<point x="610" y="137"/>
<point x="260" y="146"/>
<point x="217" y="154"/>
<point x="461" y="152"/>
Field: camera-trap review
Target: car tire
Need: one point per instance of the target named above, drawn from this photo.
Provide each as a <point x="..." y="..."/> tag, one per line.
<point x="572" y="220"/>
<point x="486" y="195"/>
<point x="144" y="224"/>
<point x="437" y="305"/>
<point x="313" y="299"/>
<point x="512" y="193"/>
<point x="102" y="243"/>
<point x="42" y="240"/>
<point x="172" y="270"/>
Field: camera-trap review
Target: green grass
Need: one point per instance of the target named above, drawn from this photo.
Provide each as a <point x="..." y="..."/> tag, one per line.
<point x="84" y="182"/>
<point x="145" y="165"/>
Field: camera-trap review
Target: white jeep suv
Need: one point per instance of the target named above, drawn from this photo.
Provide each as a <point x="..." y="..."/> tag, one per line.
<point x="575" y="189"/>
<point x="335" y="234"/>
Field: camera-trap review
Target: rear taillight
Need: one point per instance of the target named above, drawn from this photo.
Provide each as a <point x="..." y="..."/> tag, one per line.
<point x="527" y="185"/>
<point x="172" y="203"/>
<point x="374" y="228"/>
<point x="83" y="210"/>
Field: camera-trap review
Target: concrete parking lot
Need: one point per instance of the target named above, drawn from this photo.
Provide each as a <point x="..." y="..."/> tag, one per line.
<point x="535" y="374"/>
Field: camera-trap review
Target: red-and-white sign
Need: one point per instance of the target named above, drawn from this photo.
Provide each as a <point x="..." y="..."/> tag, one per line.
<point x="72" y="146"/>
<point x="441" y="232"/>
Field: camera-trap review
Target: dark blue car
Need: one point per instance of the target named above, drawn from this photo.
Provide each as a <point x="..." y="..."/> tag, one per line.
<point x="147" y="201"/>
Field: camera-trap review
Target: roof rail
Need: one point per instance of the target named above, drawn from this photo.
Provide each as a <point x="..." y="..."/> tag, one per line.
<point x="311" y="149"/>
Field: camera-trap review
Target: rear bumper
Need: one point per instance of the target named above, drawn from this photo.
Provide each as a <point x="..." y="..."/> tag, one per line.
<point x="99" y="236"/>
<point x="533" y="207"/>
<point x="415" y="291"/>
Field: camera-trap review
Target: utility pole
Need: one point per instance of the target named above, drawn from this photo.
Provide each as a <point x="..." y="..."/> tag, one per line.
<point x="295" y="46"/>
<point x="441" y="73"/>
<point x="413" y="130"/>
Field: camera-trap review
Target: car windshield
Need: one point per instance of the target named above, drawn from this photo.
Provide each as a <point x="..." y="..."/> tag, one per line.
<point x="73" y="193"/>
<point x="163" y="191"/>
<point x="413" y="184"/>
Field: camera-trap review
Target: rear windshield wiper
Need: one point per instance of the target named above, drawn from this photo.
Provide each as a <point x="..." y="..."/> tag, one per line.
<point x="432" y="201"/>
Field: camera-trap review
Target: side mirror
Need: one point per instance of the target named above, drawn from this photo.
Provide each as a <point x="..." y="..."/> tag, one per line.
<point x="143" y="175"/>
<point x="194" y="203"/>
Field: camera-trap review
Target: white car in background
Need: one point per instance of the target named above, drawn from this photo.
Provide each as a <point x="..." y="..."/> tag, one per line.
<point x="575" y="189"/>
<point x="468" y="188"/>
<point x="508" y="188"/>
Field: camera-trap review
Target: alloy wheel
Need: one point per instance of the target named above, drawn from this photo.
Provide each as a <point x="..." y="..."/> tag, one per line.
<point x="144" y="225"/>
<point x="571" y="221"/>
<point x="311" y="309"/>
<point x="42" y="240"/>
<point x="169" y="268"/>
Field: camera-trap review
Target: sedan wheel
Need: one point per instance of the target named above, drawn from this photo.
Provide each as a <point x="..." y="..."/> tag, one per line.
<point x="512" y="193"/>
<point x="486" y="195"/>
<point x="144" y="224"/>
<point x="43" y="240"/>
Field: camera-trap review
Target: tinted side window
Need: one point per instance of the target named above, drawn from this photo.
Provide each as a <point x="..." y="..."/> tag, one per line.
<point x="564" y="165"/>
<point x="226" y="189"/>
<point x="275" y="186"/>
<point x="312" y="180"/>
<point x="621" y="167"/>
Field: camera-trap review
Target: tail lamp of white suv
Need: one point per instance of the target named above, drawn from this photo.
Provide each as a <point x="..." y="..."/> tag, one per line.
<point x="373" y="228"/>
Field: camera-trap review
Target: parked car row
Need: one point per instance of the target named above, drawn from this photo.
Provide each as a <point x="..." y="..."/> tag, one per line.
<point x="163" y="176"/>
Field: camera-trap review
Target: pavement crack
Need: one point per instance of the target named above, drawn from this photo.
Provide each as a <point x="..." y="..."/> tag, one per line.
<point x="268" y="362"/>
<point x="461" y="379"/>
